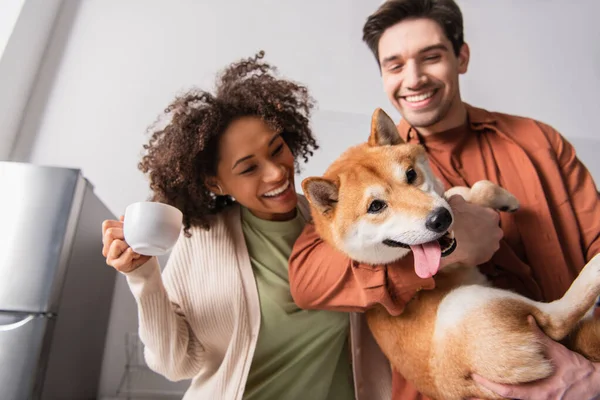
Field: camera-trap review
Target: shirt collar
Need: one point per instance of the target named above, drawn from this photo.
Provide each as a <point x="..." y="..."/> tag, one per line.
<point x="479" y="119"/>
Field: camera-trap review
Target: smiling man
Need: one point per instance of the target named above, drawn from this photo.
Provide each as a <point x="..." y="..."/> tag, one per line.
<point x="421" y="77"/>
<point x="420" y="50"/>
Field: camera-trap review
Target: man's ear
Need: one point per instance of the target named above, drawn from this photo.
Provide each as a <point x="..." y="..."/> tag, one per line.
<point x="464" y="55"/>
<point x="383" y="130"/>
<point x="321" y="193"/>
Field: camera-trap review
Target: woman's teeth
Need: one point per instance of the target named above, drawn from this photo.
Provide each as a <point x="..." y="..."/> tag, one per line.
<point x="419" y="97"/>
<point x="278" y="190"/>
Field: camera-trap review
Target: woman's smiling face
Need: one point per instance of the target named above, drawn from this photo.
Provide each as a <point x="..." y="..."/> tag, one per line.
<point x="256" y="168"/>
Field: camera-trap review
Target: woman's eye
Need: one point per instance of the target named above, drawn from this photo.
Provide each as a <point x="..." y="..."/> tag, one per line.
<point x="278" y="149"/>
<point x="248" y="170"/>
<point x="411" y="176"/>
<point x="376" y="206"/>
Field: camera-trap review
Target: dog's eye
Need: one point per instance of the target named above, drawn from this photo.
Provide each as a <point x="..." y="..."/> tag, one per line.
<point x="376" y="206"/>
<point x="411" y="176"/>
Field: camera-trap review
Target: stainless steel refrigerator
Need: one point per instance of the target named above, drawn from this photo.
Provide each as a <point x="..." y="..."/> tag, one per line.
<point x="55" y="288"/>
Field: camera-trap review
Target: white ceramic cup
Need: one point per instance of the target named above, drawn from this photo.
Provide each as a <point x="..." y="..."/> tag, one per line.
<point x="151" y="228"/>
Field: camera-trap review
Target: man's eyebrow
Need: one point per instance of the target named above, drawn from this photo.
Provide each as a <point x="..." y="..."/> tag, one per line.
<point x="390" y="58"/>
<point x="396" y="57"/>
<point x="439" y="46"/>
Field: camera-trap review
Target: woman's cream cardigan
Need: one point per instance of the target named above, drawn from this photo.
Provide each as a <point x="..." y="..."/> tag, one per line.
<point x="201" y="318"/>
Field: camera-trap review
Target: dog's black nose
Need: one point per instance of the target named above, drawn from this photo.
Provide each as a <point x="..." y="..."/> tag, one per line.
<point x="439" y="220"/>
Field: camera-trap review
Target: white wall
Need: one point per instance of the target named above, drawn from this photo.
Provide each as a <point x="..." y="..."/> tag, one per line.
<point x="9" y="13"/>
<point x="113" y="65"/>
<point x="539" y="58"/>
<point x="25" y="27"/>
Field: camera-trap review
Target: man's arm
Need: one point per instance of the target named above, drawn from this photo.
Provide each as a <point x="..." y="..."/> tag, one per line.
<point x="582" y="191"/>
<point x="323" y="278"/>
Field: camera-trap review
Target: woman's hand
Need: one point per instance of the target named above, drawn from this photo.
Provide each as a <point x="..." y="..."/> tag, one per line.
<point x="117" y="252"/>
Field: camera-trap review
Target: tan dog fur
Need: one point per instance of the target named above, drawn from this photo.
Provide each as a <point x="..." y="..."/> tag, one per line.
<point x="463" y="325"/>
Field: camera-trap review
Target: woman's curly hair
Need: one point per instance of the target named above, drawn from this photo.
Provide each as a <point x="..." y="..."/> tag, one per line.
<point x="181" y="156"/>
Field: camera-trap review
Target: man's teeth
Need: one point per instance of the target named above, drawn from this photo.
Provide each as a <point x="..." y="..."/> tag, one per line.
<point x="278" y="190"/>
<point x="419" y="97"/>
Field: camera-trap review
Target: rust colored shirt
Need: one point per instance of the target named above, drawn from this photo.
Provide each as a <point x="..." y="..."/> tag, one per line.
<point x="546" y="243"/>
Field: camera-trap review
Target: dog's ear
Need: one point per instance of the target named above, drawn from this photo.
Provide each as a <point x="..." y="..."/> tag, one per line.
<point x="321" y="193"/>
<point x="383" y="130"/>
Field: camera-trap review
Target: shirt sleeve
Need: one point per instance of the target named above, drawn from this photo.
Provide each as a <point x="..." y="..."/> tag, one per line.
<point x="170" y="347"/>
<point x="582" y="190"/>
<point x="321" y="277"/>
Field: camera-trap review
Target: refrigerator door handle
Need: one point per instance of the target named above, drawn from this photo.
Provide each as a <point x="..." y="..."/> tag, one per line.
<point x="18" y="324"/>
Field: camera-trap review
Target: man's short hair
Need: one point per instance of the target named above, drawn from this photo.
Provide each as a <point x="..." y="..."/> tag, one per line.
<point x="445" y="13"/>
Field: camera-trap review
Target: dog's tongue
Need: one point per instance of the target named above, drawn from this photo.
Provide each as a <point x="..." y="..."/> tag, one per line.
<point x="427" y="258"/>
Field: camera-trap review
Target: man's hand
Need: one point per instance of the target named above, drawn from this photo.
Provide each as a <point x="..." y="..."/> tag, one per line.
<point x="575" y="377"/>
<point x="477" y="232"/>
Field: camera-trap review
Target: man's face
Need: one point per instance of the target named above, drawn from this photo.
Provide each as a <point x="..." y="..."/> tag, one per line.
<point x="420" y="72"/>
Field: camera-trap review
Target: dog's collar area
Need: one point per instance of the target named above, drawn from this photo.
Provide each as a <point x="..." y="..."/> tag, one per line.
<point x="447" y="244"/>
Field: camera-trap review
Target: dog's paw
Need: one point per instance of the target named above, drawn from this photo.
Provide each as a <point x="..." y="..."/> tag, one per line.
<point x="592" y="270"/>
<point x="488" y="194"/>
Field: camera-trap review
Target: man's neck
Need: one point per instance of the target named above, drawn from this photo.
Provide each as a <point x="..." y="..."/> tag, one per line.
<point x="456" y="116"/>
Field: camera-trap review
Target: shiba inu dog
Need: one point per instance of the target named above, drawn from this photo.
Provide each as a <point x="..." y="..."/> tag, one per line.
<point x="379" y="201"/>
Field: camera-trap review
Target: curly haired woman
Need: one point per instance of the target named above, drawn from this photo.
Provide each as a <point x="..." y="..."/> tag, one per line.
<point x="221" y="313"/>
